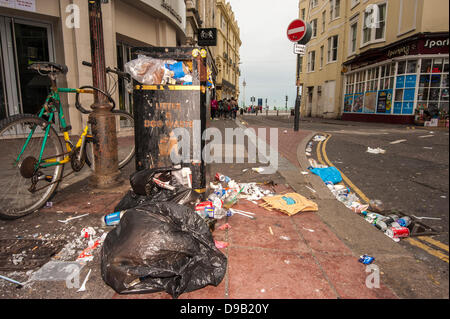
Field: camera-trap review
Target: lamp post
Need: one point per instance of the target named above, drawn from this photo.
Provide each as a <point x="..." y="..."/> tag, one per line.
<point x="102" y="120"/>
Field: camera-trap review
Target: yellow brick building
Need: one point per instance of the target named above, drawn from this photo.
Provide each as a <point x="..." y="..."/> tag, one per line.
<point x="227" y="52"/>
<point x="369" y="60"/>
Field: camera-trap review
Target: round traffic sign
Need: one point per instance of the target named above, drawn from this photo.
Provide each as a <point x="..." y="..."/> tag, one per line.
<point x="296" y="30"/>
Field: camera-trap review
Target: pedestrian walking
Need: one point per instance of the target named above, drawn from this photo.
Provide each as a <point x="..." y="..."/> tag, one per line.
<point x="214" y="108"/>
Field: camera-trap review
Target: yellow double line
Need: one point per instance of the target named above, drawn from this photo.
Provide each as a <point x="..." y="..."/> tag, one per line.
<point x="321" y="150"/>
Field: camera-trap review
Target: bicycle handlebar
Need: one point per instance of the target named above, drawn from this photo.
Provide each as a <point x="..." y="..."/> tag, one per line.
<point x="82" y="109"/>
<point x="109" y="70"/>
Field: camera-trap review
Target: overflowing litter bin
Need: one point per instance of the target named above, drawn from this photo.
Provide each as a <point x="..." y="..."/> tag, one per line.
<point x="170" y="94"/>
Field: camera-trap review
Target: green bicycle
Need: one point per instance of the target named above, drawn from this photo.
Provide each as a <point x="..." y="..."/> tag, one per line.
<point x="32" y="158"/>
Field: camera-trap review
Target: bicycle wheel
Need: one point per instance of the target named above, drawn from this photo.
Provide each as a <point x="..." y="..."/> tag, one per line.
<point x="17" y="197"/>
<point x="125" y="140"/>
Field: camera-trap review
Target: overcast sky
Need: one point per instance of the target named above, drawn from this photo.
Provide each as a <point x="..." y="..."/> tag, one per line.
<point x="267" y="56"/>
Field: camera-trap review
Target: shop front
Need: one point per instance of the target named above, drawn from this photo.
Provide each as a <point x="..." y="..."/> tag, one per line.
<point x="406" y="82"/>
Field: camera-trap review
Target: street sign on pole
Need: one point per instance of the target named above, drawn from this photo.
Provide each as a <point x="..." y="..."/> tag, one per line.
<point x="296" y="30"/>
<point x="300" y="49"/>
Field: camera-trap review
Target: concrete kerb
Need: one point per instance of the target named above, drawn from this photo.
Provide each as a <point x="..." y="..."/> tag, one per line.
<point x="361" y="238"/>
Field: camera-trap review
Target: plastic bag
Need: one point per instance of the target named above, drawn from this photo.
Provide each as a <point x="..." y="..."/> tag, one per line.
<point x="329" y="174"/>
<point x="161" y="247"/>
<point x="150" y="71"/>
<point x="143" y="183"/>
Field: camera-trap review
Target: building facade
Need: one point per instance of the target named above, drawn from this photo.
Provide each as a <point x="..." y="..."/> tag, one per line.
<point x="227" y="55"/>
<point x="58" y="31"/>
<point x="381" y="61"/>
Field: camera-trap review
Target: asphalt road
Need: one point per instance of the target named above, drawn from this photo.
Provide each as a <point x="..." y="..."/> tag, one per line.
<point x="412" y="176"/>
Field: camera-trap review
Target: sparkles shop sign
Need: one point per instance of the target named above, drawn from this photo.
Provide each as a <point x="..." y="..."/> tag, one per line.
<point x="415" y="45"/>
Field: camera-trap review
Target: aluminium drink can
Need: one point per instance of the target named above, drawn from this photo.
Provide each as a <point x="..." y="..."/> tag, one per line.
<point x="404" y="221"/>
<point x="398" y="232"/>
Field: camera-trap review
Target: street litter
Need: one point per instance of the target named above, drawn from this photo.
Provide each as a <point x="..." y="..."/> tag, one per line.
<point x="430" y="218"/>
<point x="426" y="136"/>
<point x="161" y="246"/>
<point x="86" y="254"/>
<point x="375" y="150"/>
<point x="271" y="231"/>
<point x="73" y="218"/>
<point x="259" y="170"/>
<point x="305" y="173"/>
<point x="83" y="286"/>
<point x="366" y="260"/>
<point x="328" y="174"/>
<point x="314" y="164"/>
<point x="150" y="71"/>
<point x="428" y="148"/>
<point x="398" y="142"/>
<point x="312" y="190"/>
<point x="113" y="219"/>
<point x="290" y="204"/>
<point x="310" y="230"/>
<point x="319" y="138"/>
<point x="285" y="238"/>
<point x="88" y="232"/>
<point x="224" y="227"/>
<point x="221" y="244"/>
<point x="12" y="281"/>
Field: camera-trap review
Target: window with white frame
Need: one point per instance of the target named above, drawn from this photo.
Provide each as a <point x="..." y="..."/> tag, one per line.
<point x="433" y="93"/>
<point x="353" y="36"/>
<point x="314" y="28"/>
<point x="322" y="49"/>
<point x="314" y="3"/>
<point x="311" y="61"/>
<point x="333" y="48"/>
<point x="354" y="3"/>
<point x="303" y="14"/>
<point x="335" y="9"/>
<point x="374" y="30"/>
<point x="223" y="26"/>
<point x="324" y="18"/>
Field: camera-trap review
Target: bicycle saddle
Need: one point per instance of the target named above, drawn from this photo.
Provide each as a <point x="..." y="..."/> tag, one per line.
<point x="49" y="67"/>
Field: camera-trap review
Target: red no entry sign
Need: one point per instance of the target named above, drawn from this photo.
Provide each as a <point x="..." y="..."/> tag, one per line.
<point x="296" y="30"/>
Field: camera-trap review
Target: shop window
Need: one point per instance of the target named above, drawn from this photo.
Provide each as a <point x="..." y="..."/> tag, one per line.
<point x="433" y="92"/>
<point x="401" y="67"/>
<point x="411" y="66"/>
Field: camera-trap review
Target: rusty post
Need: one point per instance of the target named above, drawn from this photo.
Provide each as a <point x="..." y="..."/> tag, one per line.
<point x="103" y="122"/>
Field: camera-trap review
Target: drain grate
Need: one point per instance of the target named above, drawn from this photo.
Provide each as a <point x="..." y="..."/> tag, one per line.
<point x="27" y="254"/>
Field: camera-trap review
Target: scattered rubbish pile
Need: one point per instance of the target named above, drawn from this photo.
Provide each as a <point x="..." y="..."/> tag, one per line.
<point x="393" y="224"/>
<point x="151" y="71"/>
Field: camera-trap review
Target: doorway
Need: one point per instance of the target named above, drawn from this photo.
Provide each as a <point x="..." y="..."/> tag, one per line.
<point x="22" y="43"/>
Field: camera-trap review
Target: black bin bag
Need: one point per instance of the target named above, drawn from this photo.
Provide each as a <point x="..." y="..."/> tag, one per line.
<point x="161" y="247"/>
<point x="144" y="189"/>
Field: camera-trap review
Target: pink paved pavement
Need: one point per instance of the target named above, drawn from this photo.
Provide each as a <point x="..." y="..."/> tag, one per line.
<point x="303" y="259"/>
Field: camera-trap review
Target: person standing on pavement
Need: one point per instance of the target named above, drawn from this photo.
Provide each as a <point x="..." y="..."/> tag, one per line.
<point x="214" y="108"/>
<point x="234" y="106"/>
<point x="229" y="109"/>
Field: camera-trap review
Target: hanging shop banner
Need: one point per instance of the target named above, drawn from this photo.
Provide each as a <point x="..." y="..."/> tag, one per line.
<point x="27" y="5"/>
<point x="384" y="101"/>
<point x="370" y="102"/>
<point x="358" y="103"/>
<point x="410" y="81"/>
<point x="348" y="102"/>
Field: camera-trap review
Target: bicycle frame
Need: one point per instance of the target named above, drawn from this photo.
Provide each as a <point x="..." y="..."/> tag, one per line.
<point x="50" y="109"/>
